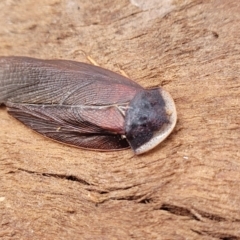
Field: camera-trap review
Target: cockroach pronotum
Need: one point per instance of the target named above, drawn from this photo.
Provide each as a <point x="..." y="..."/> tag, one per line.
<point x="85" y="105"/>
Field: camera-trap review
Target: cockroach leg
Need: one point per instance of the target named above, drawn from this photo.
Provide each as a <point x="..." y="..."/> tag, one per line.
<point x="92" y="61"/>
<point x="122" y="71"/>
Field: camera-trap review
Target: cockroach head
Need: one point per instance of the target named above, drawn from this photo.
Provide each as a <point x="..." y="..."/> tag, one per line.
<point x="150" y="119"/>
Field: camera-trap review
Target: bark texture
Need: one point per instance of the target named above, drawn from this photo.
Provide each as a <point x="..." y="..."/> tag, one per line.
<point x="186" y="188"/>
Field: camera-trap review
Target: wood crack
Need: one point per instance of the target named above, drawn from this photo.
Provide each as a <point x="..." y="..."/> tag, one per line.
<point x="58" y="176"/>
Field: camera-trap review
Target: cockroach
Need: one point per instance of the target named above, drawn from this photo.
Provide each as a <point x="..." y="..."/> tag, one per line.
<point x="84" y="105"/>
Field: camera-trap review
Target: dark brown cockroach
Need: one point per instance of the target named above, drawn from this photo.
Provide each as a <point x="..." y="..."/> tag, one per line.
<point x="84" y="105"/>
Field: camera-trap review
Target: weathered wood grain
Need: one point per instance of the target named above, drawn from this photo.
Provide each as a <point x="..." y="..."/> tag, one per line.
<point x="189" y="186"/>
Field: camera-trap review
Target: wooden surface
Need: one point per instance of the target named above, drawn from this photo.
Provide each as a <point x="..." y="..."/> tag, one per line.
<point x="186" y="188"/>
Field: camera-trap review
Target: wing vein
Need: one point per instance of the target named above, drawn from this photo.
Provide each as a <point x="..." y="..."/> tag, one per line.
<point x="73" y="91"/>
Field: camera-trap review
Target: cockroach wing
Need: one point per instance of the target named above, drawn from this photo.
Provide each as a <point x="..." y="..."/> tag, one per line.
<point x="67" y="126"/>
<point x="72" y="102"/>
<point x="35" y="81"/>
